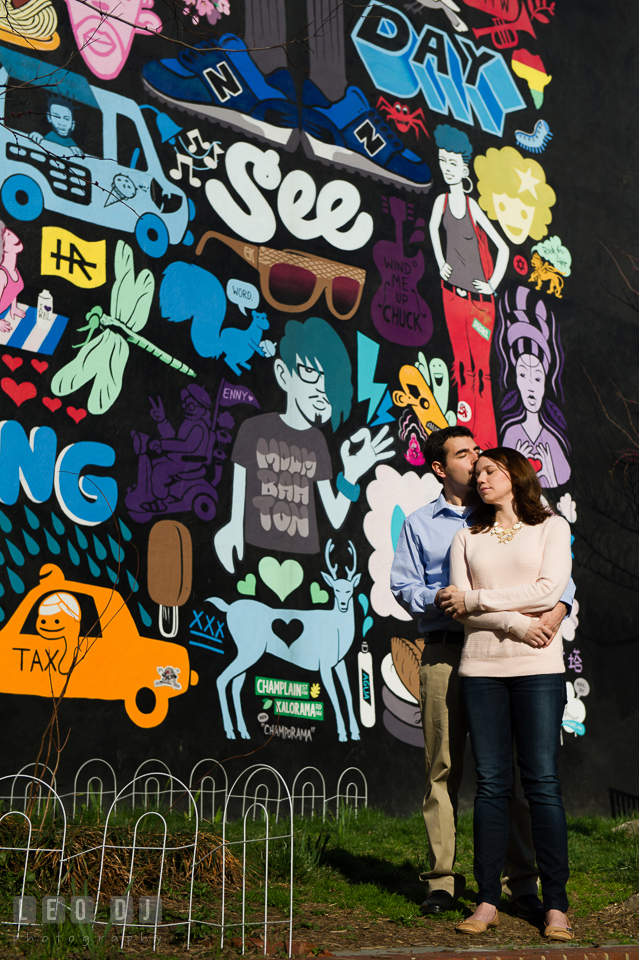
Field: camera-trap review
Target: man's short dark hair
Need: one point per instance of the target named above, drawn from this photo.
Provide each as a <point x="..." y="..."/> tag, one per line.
<point x="434" y="446"/>
<point x="56" y="100"/>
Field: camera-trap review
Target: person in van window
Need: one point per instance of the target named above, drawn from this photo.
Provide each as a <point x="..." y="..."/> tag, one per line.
<point x="60" y="116"/>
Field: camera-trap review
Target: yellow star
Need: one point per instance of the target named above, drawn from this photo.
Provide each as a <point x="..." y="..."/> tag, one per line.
<point x="528" y="182"/>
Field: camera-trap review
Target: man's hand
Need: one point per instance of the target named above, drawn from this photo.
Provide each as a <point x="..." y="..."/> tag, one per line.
<point x="552" y="618"/>
<point x="538" y="634"/>
<point x="444" y="594"/>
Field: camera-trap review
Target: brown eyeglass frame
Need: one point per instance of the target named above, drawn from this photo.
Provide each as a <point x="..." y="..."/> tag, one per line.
<point x="263" y="258"/>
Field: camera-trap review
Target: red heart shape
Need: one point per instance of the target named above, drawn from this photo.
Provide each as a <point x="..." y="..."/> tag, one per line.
<point x="40" y="365"/>
<point x="12" y="362"/>
<point x="52" y="403"/>
<point x="19" y="392"/>
<point x="537" y="464"/>
<point x="76" y="415"/>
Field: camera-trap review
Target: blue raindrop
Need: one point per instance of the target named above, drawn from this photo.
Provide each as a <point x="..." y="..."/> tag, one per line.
<point x="83" y="543"/>
<point x="397" y="521"/>
<point x="58" y="526"/>
<point x="16" y="555"/>
<point x="363" y="599"/>
<point x="126" y="533"/>
<point x="73" y="553"/>
<point x="52" y="544"/>
<point x="30" y="544"/>
<point x="100" y="549"/>
<point x="5" y="523"/>
<point x="146" y="619"/>
<point x="15" y="581"/>
<point x="1" y="590"/>
<point x="116" y="550"/>
<point x="1" y="614"/>
<point x="113" y="576"/>
<point x="32" y="520"/>
<point x="93" y="567"/>
<point x="133" y="583"/>
<point x="1" y="559"/>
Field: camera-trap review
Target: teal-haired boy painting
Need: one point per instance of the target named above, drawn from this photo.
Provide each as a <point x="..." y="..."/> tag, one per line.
<point x="279" y="458"/>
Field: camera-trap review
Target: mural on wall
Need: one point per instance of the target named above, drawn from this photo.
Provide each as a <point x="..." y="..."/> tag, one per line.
<point x="241" y="284"/>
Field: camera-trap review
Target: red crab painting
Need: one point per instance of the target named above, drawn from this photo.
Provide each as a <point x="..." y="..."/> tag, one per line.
<point x="402" y="118"/>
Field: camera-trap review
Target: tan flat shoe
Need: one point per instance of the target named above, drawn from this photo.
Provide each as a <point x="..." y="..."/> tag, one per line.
<point x="562" y="934"/>
<point x="473" y="927"/>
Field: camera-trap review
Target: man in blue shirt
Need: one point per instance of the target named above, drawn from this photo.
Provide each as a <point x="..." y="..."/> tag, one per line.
<point x="419" y="578"/>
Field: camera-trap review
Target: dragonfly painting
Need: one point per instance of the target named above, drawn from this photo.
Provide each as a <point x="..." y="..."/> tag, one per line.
<point x="103" y="359"/>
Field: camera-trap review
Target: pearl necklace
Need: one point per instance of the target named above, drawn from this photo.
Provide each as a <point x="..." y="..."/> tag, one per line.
<point x="504" y="536"/>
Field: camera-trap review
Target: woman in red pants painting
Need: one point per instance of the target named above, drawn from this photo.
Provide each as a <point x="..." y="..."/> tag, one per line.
<point x="469" y="281"/>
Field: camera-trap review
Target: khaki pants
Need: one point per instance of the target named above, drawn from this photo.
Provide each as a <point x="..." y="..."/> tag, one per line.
<point x="444" y="726"/>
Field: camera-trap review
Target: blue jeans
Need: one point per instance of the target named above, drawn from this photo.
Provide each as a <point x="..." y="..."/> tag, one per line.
<point x="531" y="709"/>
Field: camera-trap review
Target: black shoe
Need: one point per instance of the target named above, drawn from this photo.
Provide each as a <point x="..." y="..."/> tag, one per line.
<point x="438" y="902"/>
<point x="529" y="907"/>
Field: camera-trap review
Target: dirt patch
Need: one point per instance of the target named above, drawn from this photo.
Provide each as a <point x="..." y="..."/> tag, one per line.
<point x="344" y="929"/>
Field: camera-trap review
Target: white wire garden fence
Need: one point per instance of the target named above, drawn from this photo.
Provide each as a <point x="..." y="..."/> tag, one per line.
<point x="44" y="821"/>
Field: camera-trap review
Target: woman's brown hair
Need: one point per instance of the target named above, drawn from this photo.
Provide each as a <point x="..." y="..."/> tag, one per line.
<point x="526" y="491"/>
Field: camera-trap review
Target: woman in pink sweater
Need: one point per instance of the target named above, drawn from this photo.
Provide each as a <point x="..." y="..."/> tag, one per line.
<point x="512" y="563"/>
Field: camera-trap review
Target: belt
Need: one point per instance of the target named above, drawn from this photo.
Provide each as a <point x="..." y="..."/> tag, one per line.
<point x="444" y="636"/>
<point x="477" y="297"/>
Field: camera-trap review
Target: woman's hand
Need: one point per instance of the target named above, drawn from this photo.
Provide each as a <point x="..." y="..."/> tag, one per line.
<point x="453" y="604"/>
<point x="16" y="312"/>
<point x="445" y="271"/>
<point x="538" y="634"/>
<point x="547" y="466"/>
<point x="484" y="287"/>
<point x="524" y="447"/>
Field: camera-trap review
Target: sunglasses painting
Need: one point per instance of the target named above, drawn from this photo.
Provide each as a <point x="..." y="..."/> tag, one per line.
<point x="293" y="281"/>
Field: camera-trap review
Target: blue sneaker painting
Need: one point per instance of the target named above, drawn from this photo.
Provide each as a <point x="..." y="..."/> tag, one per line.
<point x="218" y="80"/>
<point x="350" y="134"/>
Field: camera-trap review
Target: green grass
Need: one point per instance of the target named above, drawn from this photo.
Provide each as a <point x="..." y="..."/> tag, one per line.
<point x="374" y="861"/>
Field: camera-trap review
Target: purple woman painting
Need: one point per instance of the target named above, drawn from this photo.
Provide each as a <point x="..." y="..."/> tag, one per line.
<point x="531" y="365"/>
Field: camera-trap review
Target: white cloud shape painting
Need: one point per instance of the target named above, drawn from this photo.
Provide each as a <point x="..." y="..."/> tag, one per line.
<point x="392" y="496"/>
<point x="570" y="624"/>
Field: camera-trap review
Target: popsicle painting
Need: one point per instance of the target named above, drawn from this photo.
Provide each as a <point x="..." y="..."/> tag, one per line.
<point x="169" y="572"/>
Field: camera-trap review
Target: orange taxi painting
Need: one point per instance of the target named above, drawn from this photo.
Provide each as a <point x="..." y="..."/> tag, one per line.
<point x="61" y="621"/>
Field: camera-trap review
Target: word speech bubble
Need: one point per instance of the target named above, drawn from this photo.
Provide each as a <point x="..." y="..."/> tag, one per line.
<point x="582" y="687"/>
<point x="243" y="294"/>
